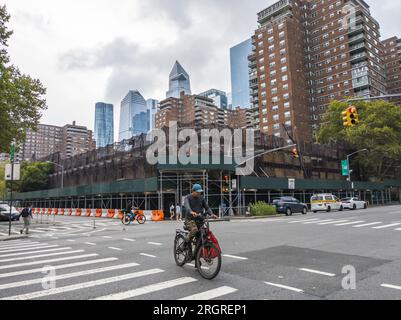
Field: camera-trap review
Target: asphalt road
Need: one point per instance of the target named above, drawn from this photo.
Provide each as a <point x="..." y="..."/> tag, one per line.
<point x="298" y="257"/>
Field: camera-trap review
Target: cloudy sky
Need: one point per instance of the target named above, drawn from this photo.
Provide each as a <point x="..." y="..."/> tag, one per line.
<point x="85" y="51"/>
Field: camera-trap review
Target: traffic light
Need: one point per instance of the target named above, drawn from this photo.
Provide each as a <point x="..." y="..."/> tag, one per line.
<point x="226" y="183"/>
<point x="350" y="117"/>
<point x="295" y="153"/>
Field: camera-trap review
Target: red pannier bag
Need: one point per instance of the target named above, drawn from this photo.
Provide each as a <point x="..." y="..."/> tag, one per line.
<point x="213" y="254"/>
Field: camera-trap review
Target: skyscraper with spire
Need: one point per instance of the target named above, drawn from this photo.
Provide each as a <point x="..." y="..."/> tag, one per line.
<point x="178" y="81"/>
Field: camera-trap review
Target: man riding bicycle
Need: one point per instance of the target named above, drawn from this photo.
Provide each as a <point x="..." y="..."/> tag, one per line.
<point x="196" y="209"/>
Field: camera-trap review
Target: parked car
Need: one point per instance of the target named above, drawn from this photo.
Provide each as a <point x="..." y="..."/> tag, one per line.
<point x="290" y="205"/>
<point x="5" y="213"/>
<point x="325" y="202"/>
<point x="354" y="203"/>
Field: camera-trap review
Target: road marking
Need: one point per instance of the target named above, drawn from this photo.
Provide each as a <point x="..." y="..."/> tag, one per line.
<point x="147" y="255"/>
<point x="387" y="226"/>
<point x="68" y="275"/>
<point x="367" y="224"/>
<point x="193" y="265"/>
<point x="391" y="286"/>
<point x="3" y="234"/>
<point x="234" y="257"/>
<point x="36" y="247"/>
<point x="211" y="294"/>
<point x="117" y="249"/>
<point x="349" y="223"/>
<point x="130" y="240"/>
<point x="84" y="285"/>
<point x="284" y="287"/>
<point x="107" y="237"/>
<point x="155" y="243"/>
<point x="318" y="272"/>
<point x="147" y="289"/>
<point x="318" y="221"/>
<point x="70" y="240"/>
<point x="15" y="242"/>
<point x="90" y="243"/>
<point x="61" y="266"/>
<point x="333" y="222"/>
<point x="36" y="230"/>
<point x="47" y="261"/>
<point x="42" y="255"/>
<point x="298" y="221"/>
<point x="33" y="252"/>
<point x="21" y="246"/>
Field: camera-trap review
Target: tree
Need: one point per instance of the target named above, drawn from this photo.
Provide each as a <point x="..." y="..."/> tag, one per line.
<point x="34" y="176"/>
<point x="2" y="181"/>
<point x="21" y="97"/>
<point x="379" y="131"/>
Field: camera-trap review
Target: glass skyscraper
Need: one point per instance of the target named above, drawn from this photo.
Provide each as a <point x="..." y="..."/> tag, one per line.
<point x="104" y="124"/>
<point x="178" y="81"/>
<point x="153" y="107"/>
<point x="134" y="116"/>
<point x="240" y="74"/>
<point x="219" y="97"/>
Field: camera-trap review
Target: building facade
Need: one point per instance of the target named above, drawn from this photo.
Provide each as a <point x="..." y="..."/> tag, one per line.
<point x="392" y="59"/>
<point x="239" y="74"/>
<point x="179" y="81"/>
<point x="76" y="140"/>
<point x="219" y="97"/>
<point x="153" y="107"/>
<point x="46" y="140"/>
<point x="134" y="116"/>
<point x="104" y="124"/>
<point x="199" y="112"/>
<point x="307" y="53"/>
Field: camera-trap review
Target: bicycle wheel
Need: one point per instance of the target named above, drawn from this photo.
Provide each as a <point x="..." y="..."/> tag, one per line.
<point x="141" y="219"/>
<point x="180" y="250"/>
<point x="126" y="220"/>
<point x="208" y="260"/>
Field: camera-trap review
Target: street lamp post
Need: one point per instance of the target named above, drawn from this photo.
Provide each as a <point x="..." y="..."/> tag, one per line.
<point x="349" y="167"/>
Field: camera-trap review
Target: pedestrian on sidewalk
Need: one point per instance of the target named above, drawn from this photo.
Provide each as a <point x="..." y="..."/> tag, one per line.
<point x="172" y="211"/>
<point x="178" y="212"/>
<point x="26" y="215"/>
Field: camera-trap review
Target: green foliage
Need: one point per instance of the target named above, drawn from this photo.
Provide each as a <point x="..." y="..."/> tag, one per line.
<point x="379" y="131"/>
<point x="34" y="176"/>
<point x="261" y="208"/>
<point x="21" y="97"/>
<point x="2" y="181"/>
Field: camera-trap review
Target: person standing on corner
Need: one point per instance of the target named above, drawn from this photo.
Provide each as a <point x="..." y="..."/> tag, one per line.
<point x="26" y="215"/>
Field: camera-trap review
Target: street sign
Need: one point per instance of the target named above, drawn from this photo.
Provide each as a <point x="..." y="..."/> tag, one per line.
<point x="291" y="184"/>
<point x="17" y="170"/>
<point x="345" y="168"/>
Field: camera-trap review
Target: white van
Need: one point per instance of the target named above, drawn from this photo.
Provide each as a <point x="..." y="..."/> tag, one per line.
<point x="325" y="202"/>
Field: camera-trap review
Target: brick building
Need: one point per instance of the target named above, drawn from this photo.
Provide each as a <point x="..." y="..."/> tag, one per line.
<point x="306" y="53"/>
<point x="392" y="59"/>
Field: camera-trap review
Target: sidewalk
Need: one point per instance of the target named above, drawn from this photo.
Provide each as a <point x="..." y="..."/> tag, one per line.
<point x="16" y="237"/>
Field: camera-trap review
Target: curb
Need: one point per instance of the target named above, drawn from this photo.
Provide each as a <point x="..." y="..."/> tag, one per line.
<point x="256" y="218"/>
<point x="13" y="238"/>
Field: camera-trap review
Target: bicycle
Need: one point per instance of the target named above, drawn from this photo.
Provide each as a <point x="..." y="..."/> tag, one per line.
<point x="128" y="218"/>
<point x="207" y="253"/>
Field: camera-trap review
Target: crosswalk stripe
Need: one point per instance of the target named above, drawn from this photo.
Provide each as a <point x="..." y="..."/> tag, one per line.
<point x="3" y="234"/>
<point x="42" y="256"/>
<point x="284" y="287"/>
<point x="68" y="275"/>
<point x="234" y="257"/>
<point x="298" y="221"/>
<point x="114" y="248"/>
<point x="83" y="285"/>
<point x="147" y="255"/>
<point x="333" y="222"/>
<point x="311" y="222"/>
<point x="211" y="294"/>
<point x="48" y="261"/>
<point x="367" y="224"/>
<point x="57" y="267"/>
<point x="33" y="252"/>
<point x="130" y="240"/>
<point x="20" y="245"/>
<point x="391" y="286"/>
<point x="318" y="272"/>
<point x="349" y="223"/>
<point x="147" y="289"/>
<point x="387" y="226"/>
<point x="25" y="248"/>
<point x="155" y="243"/>
<point x="36" y="230"/>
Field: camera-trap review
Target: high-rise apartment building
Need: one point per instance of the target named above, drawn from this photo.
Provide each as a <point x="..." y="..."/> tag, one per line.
<point x="239" y="74"/>
<point x="219" y="97"/>
<point x="104" y="124"/>
<point x="134" y="116"/>
<point x="179" y="81"/>
<point x="392" y="60"/>
<point x="199" y="112"/>
<point x="306" y="53"/>
<point x="153" y="107"/>
<point x="46" y="140"/>
<point x="76" y="140"/>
